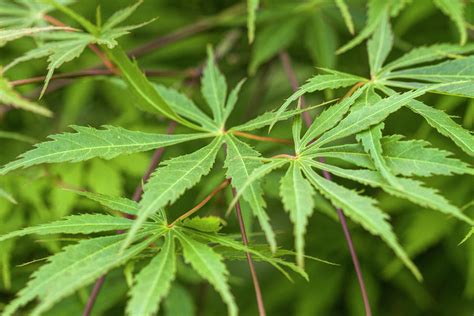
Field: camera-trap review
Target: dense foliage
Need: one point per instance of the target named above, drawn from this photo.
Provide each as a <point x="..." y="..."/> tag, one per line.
<point x="201" y="157"/>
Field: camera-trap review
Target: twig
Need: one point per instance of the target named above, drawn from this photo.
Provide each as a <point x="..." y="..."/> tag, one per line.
<point x="285" y="59"/>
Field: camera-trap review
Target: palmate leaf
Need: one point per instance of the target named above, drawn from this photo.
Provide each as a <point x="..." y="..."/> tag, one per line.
<point x="73" y="268"/>
<point x="371" y="142"/>
<point x="74" y="224"/>
<point x="362" y="210"/>
<point x="379" y="46"/>
<point x="115" y="203"/>
<point x="455" y="10"/>
<point x="297" y="196"/>
<point x="89" y="143"/>
<point x="167" y="183"/>
<point x="240" y="166"/>
<point x="209" y="265"/>
<point x="318" y="83"/>
<point x="9" y="96"/>
<point x="214" y="88"/>
<point x="403" y="157"/>
<point x="408" y="189"/>
<point x="154" y="281"/>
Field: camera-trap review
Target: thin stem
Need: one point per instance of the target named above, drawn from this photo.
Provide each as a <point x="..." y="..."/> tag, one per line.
<point x="253" y="273"/>
<point x="286" y="61"/>
<point x="263" y="138"/>
<point x="202" y="203"/>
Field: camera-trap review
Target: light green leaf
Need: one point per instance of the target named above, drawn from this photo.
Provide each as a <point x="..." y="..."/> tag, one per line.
<point x="73" y="268"/>
<point x="154" y="281"/>
<point x="346" y="15"/>
<point x="232" y="99"/>
<point x="18" y="137"/>
<point x="298" y="199"/>
<point x="371" y="142"/>
<point x="240" y="168"/>
<point x="252" y="6"/>
<point x="208" y="224"/>
<point x="149" y="99"/>
<point x="271" y="40"/>
<point x="115" y="203"/>
<point x="214" y="88"/>
<point x="319" y="83"/>
<point x="376" y="11"/>
<point x="74" y="224"/>
<point x="407" y="158"/>
<point x="179" y="302"/>
<point x="456" y="88"/>
<point x="455" y="10"/>
<point x="427" y="54"/>
<point x="362" y="210"/>
<point x="380" y="45"/>
<point x="185" y="107"/>
<point x="88" y="143"/>
<point x="120" y="16"/>
<point x="209" y="265"/>
<point x="4" y="194"/>
<point x="411" y="190"/>
<point x="9" y="96"/>
<point x="9" y="35"/>
<point x="170" y="181"/>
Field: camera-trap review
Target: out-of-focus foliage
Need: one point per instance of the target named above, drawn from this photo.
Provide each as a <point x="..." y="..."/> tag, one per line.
<point x="396" y="136"/>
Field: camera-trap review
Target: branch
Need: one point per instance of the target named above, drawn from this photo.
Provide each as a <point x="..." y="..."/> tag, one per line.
<point x="286" y="62"/>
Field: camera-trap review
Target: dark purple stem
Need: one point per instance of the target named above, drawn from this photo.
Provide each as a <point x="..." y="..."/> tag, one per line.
<point x="286" y="62"/>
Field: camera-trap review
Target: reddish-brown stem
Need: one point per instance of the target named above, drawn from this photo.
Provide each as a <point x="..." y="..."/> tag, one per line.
<point x="355" y="260"/>
<point x="202" y="203"/>
<point x="263" y="138"/>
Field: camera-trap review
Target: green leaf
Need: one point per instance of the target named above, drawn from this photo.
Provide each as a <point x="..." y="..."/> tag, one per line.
<point x="298" y="199"/>
<point x="240" y="166"/>
<point x="209" y="265"/>
<point x="232" y="99"/>
<point x="252" y="6"/>
<point x="73" y="268"/>
<point x="208" y="224"/>
<point x="154" y="281"/>
<point x="365" y="117"/>
<point x="75" y="224"/>
<point x="319" y="30"/>
<point x="371" y="142"/>
<point x="456" y="88"/>
<point x="455" y="10"/>
<point x="9" y="96"/>
<point x="377" y="9"/>
<point x="409" y="189"/>
<point x="214" y="88"/>
<point x="4" y="194"/>
<point x="271" y="40"/>
<point x="120" y="16"/>
<point x="13" y="34"/>
<point x="427" y="54"/>
<point x="346" y="15"/>
<point x="380" y="45"/>
<point x="115" y="203"/>
<point x="362" y="210"/>
<point x="170" y="181"/>
<point x="89" y="143"/>
<point x="407" y="158"/>
<point x="185" y="107"/>
<point x="179" y="302"/>
<point x="330" y="117"/>
<point x="142" y="88"/>
<point x="319" y="83"/>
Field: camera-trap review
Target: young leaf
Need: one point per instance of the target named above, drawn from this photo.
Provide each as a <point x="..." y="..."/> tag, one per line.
<point x="71" y="269"/>
<point x="371" y="141"/>
<point x="209" y="265"/>
<point x="185" y="107"/>
<point x="88" y="143"/>
<point x="74" y="224"/>
<point x="115" y="203"/>
<point x="13" y="34"/>
<point x="346" y="15"/>
<point x="9" y="96"/>
<point x="154" y="281"/>
<point x="252" y="6"/>
<point x="455" y="10"/>
<point x="362" y="210"/>
<point x="232" y="99"/>
<point x="297" y="196"/>
<point x="171" y="180"/>
<point x="120" y="16"/>
<point x="379" y="45"/>
<point x="214" y="88"/>
<point x="240" y="168"/>
<point x="407" y="158"/>
<point x="208" y="224"/>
